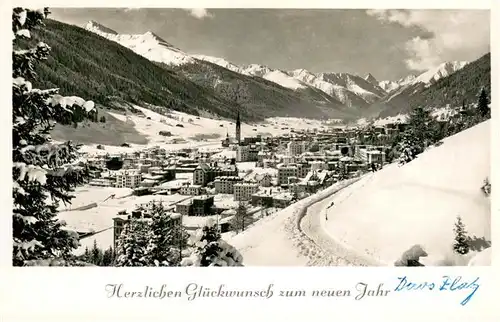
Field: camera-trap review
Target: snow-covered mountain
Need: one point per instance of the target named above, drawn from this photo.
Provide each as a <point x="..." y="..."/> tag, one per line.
<point x="221" y="62"/>
<point x="412" y="85"/>
<point x="407" y="91"/>
<point x="433" y="75"/>
<point x="276" y="76"/>
<point x="351" y="90"/>
<point x="390" y="86"/>
<point x="427" y="78"/>
<point x="147" y="45"/>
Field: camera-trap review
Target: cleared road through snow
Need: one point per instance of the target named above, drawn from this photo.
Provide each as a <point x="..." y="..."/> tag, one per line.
<point x="336" y="254"/>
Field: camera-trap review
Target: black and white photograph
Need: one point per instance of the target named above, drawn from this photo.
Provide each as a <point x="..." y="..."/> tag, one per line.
<point x="169" y="137"/>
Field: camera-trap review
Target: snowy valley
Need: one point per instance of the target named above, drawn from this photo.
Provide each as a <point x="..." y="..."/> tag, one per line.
<point x="183" y="159"/>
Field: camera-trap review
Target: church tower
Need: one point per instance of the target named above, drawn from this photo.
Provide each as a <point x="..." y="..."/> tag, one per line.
<point x="238" y="128"/>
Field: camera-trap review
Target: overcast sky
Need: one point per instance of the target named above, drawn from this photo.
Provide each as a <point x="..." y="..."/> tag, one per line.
<point x="390" y="44"/>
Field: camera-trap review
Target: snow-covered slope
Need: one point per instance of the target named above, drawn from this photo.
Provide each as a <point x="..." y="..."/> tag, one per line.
<point x="351" y="90"/>
<point x="222" y="62"/>
<point x="390" y="86"/>
<point x="433" y="75"/>
<point x="412" y="85"/>
<point x="196" y="131"/>
<point x="483" y="258"/>
<point x="427" y="78"/>
<point x="147" y="45"/>
<point x="283" y="79"/>
<point x="418" y="203"/>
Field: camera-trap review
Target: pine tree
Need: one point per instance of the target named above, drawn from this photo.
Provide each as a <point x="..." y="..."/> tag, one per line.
<point x="86" y="254"/>
<point x="96" y="255"/>
<point x="408" y="148"/>
<point x="461" y="245"/>
<point x="166" y="239"/>
<point x="132" y="244"/>
<point x="241" y="219"/>
<point x="422" y="126"/>
<point x="211" y="250"/>
<point x="43" y="173"/>
<point x="482" y="104"/>
<point x="107" y="257"/>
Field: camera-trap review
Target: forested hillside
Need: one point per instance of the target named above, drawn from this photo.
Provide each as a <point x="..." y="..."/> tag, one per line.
<point x="456" y="89"/>
<point x="84" y="64"/>
<point x="464" y="85"/>
<point x="262" y="96"/>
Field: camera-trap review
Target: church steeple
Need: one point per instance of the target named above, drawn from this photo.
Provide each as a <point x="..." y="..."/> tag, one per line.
<point x="238" y="128"/>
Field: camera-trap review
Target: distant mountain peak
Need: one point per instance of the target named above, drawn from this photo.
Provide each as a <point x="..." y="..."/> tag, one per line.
<point x="154" y="36"/>
<point x="148" y="45"/>
<point x="371" y="79"/>
<point x="94" y="26"/>
<point x="441" y="71"/>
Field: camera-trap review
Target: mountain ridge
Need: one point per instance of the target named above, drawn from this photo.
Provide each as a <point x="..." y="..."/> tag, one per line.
<point x="357" y="94"/>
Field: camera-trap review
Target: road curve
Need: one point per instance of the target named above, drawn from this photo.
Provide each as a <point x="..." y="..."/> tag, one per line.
<point x="336" y="254"/>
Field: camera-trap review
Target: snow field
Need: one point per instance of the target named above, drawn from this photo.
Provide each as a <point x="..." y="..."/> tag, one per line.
<point x="418" y="203"/>
<point x="195" y="128"/>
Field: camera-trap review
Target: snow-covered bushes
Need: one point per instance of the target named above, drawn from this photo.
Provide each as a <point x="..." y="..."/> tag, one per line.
<point x="211" y="250"/>
<point x="411" y="257"/>
<point x="157" y="240"/>
<point x="408" y="148"/>
<point x="132" y="244"/>
<point x="166" y="237"/>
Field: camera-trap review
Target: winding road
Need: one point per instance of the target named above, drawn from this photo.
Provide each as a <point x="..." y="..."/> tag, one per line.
<point x="336" y="253"/>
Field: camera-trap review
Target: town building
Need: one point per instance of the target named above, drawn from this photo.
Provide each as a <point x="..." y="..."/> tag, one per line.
<point x="295" y="148"/>
<point x="205" y="173"/>
<point x="242" y="153"/>
<point x="285" y="172"/>
<point x="244" y="191"/>
<point x="202" y="205"/>
<point x="370" y="155"/>
<point x="191" y="190"/>
<point x="282" y="200"/>
<point x="197" y="206"/>
<point x="225" y="184"/>
<point x="184" y="208"/>
<point x="130" y="178"/>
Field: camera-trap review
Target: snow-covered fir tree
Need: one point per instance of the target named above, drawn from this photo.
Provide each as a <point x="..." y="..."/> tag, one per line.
<point x="211" y="250"/>
<point x="482" y="104"/>
<point x="108" y="257"/>
<point x="460" y="245"/>
<point x="96" y="254"/>
<point x="132" y="244"/>
<point x="241" y="219"/>
<point x="408" y="148"/>
<point x="44" y="172"/>
<point x="166" y="237"/>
